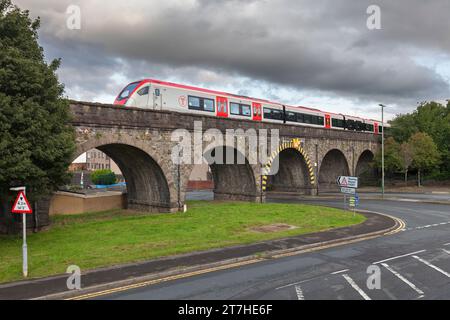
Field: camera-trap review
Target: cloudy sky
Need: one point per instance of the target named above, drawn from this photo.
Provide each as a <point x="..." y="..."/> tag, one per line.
<point x="313" y="53"/>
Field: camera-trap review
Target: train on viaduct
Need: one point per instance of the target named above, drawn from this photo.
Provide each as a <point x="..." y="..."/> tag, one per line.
<point x="140" y="142"/>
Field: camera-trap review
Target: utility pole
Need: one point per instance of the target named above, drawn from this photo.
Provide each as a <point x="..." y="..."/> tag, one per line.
<point x="382" y="150"/>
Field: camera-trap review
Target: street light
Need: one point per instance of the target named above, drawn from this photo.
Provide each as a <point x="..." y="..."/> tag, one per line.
<point x="382" y="150"/>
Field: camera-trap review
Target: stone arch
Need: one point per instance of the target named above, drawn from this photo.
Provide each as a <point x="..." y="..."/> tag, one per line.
<point x="234" y="181"/>
<point x="333" y="165"/>
<point x="364" y="170"/>
<point x="148" y="181"/>
<point x="294" y="170"/>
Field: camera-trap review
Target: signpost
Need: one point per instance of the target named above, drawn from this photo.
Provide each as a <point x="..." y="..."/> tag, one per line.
<point x="348" y="186"/>
<point x="346" y="190"/>
<point x="349" y="182"/>
<point x="22" y="206"/>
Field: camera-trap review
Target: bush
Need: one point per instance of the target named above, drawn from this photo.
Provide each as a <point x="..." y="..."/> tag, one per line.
<point x="103" y="177"/>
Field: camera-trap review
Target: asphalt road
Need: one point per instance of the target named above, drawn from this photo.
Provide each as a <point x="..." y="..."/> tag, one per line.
<point x="413" y="264"/>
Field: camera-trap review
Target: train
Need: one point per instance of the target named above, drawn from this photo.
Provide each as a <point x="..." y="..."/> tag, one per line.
<point x="161" y="95"/>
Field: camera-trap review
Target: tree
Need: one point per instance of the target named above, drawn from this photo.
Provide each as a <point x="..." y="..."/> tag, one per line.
<point x="406" y="158"/>
<point x="425" y="153"/>
<point x="36" y="141"/>
<point x="392" y="162"/>
<point x="433" y="119"/>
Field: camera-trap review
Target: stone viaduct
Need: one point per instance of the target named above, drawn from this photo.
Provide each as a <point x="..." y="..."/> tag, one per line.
<point x="140" y="142"/>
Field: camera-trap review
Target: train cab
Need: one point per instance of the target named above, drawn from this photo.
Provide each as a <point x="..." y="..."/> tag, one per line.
<point x="136" y="94"/>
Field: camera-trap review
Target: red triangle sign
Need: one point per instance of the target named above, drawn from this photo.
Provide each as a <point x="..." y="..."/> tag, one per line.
<point x="21" y="205"/>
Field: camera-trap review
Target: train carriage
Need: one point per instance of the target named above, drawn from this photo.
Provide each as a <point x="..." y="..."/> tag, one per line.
<point x="160" y="95"/>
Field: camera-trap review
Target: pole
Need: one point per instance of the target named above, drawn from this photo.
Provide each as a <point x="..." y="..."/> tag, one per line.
<point x="25" y="246"/>
<point x="382" y="150"/>
<point x="24" y="231"/>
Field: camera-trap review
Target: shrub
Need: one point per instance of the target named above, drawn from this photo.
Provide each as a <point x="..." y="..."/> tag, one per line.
<point x="103" y="177"/>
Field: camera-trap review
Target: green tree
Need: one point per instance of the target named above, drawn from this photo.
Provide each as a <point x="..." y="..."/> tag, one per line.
<point x="406" y="158"/>
<point x="36" y="142"/>
<point x="425" y="153"/>
<point x="433" y="119"/>
<point x="392" y="162"/>
<point x="403" y="127"/>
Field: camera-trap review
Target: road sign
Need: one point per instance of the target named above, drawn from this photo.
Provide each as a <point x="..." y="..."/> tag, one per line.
<point x="352" y="202"/>
<point x="349" y="182"/>
<point x="346" y="190"/>
<point x="21" y="205"/>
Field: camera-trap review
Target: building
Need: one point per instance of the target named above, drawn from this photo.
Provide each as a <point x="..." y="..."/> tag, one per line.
<point x="97" y="160"/>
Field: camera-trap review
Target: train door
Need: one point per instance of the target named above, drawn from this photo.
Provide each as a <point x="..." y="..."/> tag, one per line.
<point x="376" y="129"/>
<point x="257" y="111"/>
<point x="327" y="121"/>
<point x="222" y="107"/>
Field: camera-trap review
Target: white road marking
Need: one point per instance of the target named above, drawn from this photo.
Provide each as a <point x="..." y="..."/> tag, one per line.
<point x="446" y="251"/>
<point x="432" y="266"/>
<point x="429" y="226"/>
<point x="356" y="287"/>
<point x="299" y="292"/>
<point x="447" y="244"/>
<point x="409" y="283"/>
<point x="337" y="272"/>
<point x="398" y="257"/>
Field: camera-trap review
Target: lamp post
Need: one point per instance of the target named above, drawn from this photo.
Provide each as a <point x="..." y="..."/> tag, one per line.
<point x="382" y="150"/>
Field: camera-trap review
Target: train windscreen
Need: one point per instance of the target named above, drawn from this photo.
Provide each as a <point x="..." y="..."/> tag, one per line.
<point x="128" y="90"/>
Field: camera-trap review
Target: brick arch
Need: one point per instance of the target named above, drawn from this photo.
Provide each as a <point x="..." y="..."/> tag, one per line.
<point x="148" y="178"/>
<point x="333" y="165"/>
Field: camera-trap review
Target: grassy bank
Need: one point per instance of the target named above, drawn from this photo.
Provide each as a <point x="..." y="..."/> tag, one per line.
<point x="107" y="238"/>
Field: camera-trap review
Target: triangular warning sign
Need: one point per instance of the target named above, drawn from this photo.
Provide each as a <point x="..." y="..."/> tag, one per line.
<point x="344" y="181"/>
<point x="21" y="205"/>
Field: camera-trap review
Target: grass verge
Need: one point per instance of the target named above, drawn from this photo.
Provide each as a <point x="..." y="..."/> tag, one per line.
<point x="107" y="238"/>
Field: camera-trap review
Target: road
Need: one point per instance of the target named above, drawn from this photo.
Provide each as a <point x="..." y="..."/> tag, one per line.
<point x="413" y="264"/>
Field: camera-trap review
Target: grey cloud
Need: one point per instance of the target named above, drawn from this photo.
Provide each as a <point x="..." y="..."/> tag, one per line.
<point x="303" y="45"/>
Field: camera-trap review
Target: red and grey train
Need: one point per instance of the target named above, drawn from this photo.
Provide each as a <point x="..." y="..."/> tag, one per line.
<point x="161" y="95"/>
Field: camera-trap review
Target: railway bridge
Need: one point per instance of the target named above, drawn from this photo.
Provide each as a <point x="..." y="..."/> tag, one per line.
<point x="141" y="143"/>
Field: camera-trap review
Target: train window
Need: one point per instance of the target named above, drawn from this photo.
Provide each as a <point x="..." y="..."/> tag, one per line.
<point x="143" y="91"/>
<point x="307" y="118"/>
<point x="321" y="121"/>
<point x="128" y="90"/>
<point x="234" y="108"/>
<point x="246" y="110"/>
<point x="202" y="104"/>
<point x="337" y="123"/>
<point x="291" y="116"/>
<point x="208" y="105"/>
<point x="194" y="103"/>
<point x="273" y="114"/>
<point x="240" y="109"/>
